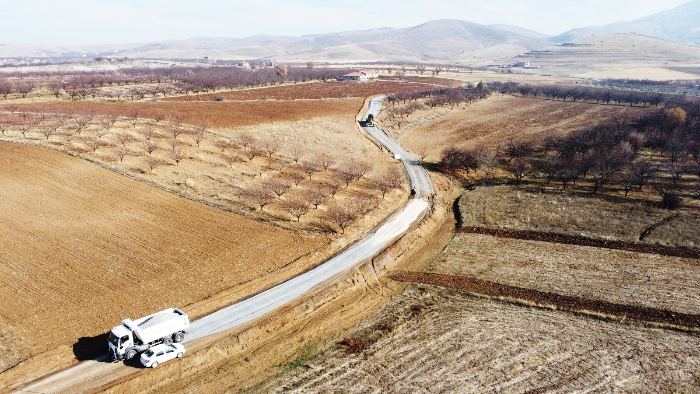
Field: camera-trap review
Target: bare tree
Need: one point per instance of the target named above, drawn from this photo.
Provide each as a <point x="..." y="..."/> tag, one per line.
<point x="358" y="169"/>
<point x="295" y="152"/>
<point x="388" y="180"/>
<point x="260" y="196"/>
<point x="277" y="186"/>
<point x="294" y="177"/>
<point x="93" y="144"/>
<point x="176" y="131"/>
<point x="108" y="121"/>
<point x="121" y="152"/>
<point x="5" y="88"/>
<point x="315" y="195"/>
<point x="296" y="207"/>
<point x="153" y="162"/>
<point x="308" y="168"/>
<point x="150" y="146"/>
<point x="148" y="132"/>
<point x="326" y="161"/>
<point x="24" y="88"/>
<point x="222" y="144"/>
<point x="271" y="146"/>
<point x="199" y="134"/>
<point x="334" y="182"/>
<point x="342" y="215"/>
<point x="133" y="115"/>
<point x="159" y="117"/>
<point x="177" y="155"/>
<point x="125" y="138"/>
<point x="81" y="123"/>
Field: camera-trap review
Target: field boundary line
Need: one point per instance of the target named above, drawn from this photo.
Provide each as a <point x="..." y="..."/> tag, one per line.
<point x="578" y="240"/>
<point x="599" y="309"/>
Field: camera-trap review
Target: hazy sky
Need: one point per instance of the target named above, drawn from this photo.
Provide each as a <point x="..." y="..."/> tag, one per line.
<point x="125" y="21"/>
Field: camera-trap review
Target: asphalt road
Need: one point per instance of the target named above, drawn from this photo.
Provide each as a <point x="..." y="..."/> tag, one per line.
<point x="420" y="182"/>
<point x="97" y="373"/>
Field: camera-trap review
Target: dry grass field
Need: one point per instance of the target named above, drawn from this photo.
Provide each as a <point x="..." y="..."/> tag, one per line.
<point x="318" y="90"/>
<point x="83" y="248"/>
<point x="493" y="121"/>
<point x="616" y="276"/>
<point x="434" y="340"/>
<point x="512" y="208"/>
<point x="208" y="114"/>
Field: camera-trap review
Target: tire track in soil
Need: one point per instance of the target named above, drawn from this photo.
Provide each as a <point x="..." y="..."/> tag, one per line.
<point x="542" y="236"/>
<point x="661" y="318"/>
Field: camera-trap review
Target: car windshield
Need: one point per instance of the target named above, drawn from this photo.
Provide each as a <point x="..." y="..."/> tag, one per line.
<point x="113" y="338"/>
<point x="149" y="353"/>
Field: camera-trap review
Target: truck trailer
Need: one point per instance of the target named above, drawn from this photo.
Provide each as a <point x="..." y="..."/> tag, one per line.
<point x="132" y="337"/>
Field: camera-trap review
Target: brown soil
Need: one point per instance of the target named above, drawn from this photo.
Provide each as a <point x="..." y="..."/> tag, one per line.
<point x="211" y="114"/>
<point x="493" y="121"/>
<point x="85" y="248"/>
<point x="617" y="277"/>
<point x="465" y="344"/>
<point x="315" y="90"/>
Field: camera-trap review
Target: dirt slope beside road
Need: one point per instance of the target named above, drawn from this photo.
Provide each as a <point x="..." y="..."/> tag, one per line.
<point x="83" y="248"/>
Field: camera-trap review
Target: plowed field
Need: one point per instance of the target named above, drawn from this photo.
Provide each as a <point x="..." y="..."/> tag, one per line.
<point x="435" y="340"/>
<point x="316" y="90"/>
<point x="211" y="114"/>
<point x="83" y="248"/>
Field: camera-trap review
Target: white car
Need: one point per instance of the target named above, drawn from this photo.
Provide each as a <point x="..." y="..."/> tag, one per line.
<point x="161" y="353"/>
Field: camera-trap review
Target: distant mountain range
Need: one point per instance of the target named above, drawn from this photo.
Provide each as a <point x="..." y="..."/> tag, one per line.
<point x="440" y="40"/>
<point x="446" y="40"/>
<point x="680" y="24"/>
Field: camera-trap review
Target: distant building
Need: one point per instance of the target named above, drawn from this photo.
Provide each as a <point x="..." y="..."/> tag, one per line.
<point x="524" y="64"/>
<point x="359" y="76"/>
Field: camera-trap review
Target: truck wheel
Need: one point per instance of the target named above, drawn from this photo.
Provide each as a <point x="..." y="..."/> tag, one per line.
<point x="131" y="353"/>
<point x="155" y="364"/>
<point x="178" y="337"/>
<point x="179" y="355"/>
<point x="167" y="341"/>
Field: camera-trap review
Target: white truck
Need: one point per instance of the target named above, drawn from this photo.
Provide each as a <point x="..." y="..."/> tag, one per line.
<point x="135" y="336"/>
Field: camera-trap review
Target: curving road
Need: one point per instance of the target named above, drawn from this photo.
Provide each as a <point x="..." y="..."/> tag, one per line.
<point x="98" y="373"/>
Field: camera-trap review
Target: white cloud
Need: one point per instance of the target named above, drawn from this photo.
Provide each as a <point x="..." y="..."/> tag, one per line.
<point x="123" y="21"/>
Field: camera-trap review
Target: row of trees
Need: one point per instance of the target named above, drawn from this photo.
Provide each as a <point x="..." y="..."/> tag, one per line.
<point x="595" y="95"/>
<point x="450" y="97"/>
<point x="163" y="81"/>
<point x="656" y="150"/>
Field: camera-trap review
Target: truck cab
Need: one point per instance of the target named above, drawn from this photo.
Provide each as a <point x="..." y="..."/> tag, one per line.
<point x="132" y="337"/>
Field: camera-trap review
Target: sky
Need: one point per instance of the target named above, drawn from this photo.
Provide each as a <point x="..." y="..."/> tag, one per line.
<point x="86" y="22"/>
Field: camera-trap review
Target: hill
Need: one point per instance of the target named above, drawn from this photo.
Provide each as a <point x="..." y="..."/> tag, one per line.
<point x="444" y="40"/>
<point x="680" y="24"/>
<point x="618" y="55"/>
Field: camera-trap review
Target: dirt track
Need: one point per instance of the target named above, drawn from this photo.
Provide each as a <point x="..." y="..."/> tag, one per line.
<point x="83" y="248"/>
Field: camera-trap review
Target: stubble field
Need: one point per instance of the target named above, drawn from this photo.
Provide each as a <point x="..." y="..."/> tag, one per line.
<point x="433" y="339"/>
